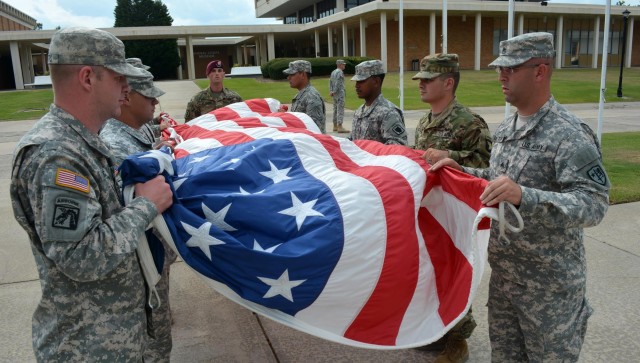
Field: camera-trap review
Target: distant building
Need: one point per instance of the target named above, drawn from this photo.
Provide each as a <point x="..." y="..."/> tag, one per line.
<point x="325" y="28"/>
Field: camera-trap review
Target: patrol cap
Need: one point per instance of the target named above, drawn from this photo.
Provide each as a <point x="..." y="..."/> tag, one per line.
<point x="521" y="48"/>
<point x="298" y="66"/>
<point x="434" y="65"/>
<point x="144" y="86"/>
<point x="92" y="47"/>
<point x="340" y="61"/>
<point x="367" y="69"/>
<point x="213" y="65"/>
<point x="137" y="62"/>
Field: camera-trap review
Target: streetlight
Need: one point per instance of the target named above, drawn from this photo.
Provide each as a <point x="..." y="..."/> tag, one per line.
<point x="624" y="47"/>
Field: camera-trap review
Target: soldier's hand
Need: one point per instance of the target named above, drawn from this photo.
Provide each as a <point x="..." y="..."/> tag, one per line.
<point x="432" y="155"/>
<point x="445" y="162"/>
<point x="501" y="189"/>
<point x="157" y="191"/>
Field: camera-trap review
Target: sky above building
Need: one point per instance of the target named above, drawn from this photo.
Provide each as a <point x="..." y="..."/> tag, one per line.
<point x="99" y="14"/>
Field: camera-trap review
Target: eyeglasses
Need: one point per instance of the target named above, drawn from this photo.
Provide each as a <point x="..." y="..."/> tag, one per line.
<point x="512" y="70"/>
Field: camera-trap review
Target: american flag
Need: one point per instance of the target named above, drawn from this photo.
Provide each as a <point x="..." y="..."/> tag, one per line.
<point x="354" y="242"/>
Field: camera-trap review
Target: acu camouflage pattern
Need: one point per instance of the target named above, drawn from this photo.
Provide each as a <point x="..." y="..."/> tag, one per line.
<point x="298" y="66"/>
<point x="435" y="65"/>
<point x="93" y="47"/>
<point x="309" y="101"/>
<point x="93" y="293"/>
<point x="457" y="129"/>
<point x="521" y="48"/>
<point x="336" y="86"/>
<point x="557" y="161"/>
<point x="123" y="140"/>
<point x="206" y="101"/>
<point x="367" y="69"/>
<point x="382" y="122"/>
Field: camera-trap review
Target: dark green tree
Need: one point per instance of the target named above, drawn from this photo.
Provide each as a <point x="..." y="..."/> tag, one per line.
<point x="159" y="54"/>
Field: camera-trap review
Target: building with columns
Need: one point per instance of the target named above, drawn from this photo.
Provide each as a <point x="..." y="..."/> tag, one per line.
<point x="324" y="28"/>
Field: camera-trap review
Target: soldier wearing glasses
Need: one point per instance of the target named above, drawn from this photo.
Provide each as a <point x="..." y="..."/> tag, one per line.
<point x="547" y="162"/>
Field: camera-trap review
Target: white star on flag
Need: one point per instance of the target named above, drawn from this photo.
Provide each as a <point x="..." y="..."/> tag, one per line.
<point x="230" y="162"/>
<point x="244" y="192"/>
<point x="164" y="160"/>
<point x="217" y="219"/>
<point x="275" y="174"/>
<point x="201" y="238"/>
<point x="198" y="159"/>
<point x="281" y="286"/>
<point x="257" y="247"/>
<point x="301" y="210"/>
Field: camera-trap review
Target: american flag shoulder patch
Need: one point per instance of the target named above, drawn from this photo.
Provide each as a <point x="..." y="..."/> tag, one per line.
<point x="69" y="179"/>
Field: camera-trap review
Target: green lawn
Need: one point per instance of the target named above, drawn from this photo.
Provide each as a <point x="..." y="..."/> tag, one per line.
<point x="621" y="151"/>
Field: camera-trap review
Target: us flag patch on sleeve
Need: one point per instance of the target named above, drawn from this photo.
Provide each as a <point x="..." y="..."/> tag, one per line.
<point x="69" y="179"/>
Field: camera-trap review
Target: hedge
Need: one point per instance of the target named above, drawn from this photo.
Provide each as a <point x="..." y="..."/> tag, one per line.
<point x="319" y="66"/>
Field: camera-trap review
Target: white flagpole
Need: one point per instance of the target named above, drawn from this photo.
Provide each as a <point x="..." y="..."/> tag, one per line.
<point x="507" y="105"/>
<point x="444" y="26"/>
<point x="603" y="76"/>
<point x="401" y="32"/>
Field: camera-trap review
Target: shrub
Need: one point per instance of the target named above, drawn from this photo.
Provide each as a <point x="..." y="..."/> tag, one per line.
<point x="320" y="66"/>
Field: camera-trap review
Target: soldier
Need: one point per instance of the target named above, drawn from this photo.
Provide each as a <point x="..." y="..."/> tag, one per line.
<point x="377" y="119"/>
<point x="64" y="195"/>
<point x="547" y="162"/>
<point x="214" y="96"/>
<point x="450" y="130"/>
<point x="336" y="91"/>
<point x="123" y="137"/>
<point x="308" y="99"/>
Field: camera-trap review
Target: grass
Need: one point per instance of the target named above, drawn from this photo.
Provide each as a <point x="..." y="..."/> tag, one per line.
<point x="621" y="151"/>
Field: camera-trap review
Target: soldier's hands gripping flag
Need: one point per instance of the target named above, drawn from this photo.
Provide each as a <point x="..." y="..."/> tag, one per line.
<point x="354" y="242"/>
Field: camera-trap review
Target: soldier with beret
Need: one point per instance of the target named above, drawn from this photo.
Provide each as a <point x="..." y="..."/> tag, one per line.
<point x="450" y="130"/>
<point x="214" y="96"/>
<point x="337" y="92"/>
<point x="548" y="163"/>
<point x="308" y="99"/>
<point x="64" y="194"/>
<point x="377" y="119"/>
<point x="123" y="136"/>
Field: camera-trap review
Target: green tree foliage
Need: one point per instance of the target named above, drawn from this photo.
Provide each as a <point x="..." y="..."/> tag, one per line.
<point x="160" y="54"/>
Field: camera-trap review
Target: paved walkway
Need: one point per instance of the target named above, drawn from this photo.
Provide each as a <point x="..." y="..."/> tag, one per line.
<point x="209" y="328"/>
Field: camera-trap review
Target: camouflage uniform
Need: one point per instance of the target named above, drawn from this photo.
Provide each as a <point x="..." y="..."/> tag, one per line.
<point x="457" y="129"/>
<point x="123" y="140"/>
<point x="538" y="310"/>
<point x="84" y="242"/>
<point x="336" y="87"/>
<point x="309" y="101"/>
<point x="206" y="101"/>
<point x="382" y="122"/>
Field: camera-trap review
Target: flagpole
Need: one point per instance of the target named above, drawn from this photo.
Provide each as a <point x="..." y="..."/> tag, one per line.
<point x="603" y="75"/>
<point x="444" y="26"/>
<point x="507" y="105"/>
<point x="401" y="32"/>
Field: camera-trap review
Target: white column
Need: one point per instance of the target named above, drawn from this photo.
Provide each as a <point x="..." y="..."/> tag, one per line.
<point x="627" y="56"/>
<point x="345" y="39"/>
<point x="383" y="39"/>
<point x="432" y="33"/>
<point x="239" y="53"/>
<point x="191" y="72"/>
<point x="559" y="42"/>
<point x="330" y="41"/>
<point x="44" y="62"/>
<point x="520" y="24"/>
<point x="478" y="43"/>
<point x="445" y="18"/>
<point x="363" y="37"/>
<point x="339" y="6"/>
<point x="15" y="62"/>
<point x="271" y="46"/>
<point x="179" y="70"/>
<point x="316" y="35"/>
<point x="27" y="63"/>
<point x="258" y="55"/>
<point x="596" y="42"/>
<point x="245" y="55"/>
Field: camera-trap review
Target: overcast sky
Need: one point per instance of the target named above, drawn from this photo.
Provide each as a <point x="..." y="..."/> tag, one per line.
<point x="99" y="14"/>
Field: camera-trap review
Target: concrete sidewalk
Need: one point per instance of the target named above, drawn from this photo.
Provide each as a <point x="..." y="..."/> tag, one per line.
<point x="210" y="328"/>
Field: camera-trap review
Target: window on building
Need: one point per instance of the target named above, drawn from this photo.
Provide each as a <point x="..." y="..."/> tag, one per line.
<point x="326" y="8"/>
<point x="291" y="19"/>
<point x="349" y="4"/>
<point x="306" y="15"/>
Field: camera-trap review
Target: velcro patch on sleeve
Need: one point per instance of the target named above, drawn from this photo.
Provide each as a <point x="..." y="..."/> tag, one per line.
<point x="69" y="179"/>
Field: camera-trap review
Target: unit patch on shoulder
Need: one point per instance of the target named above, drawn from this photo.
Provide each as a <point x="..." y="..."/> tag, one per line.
<point x="597" y="175"/>
<point x="66" y="213"/>
<point x="69" y="179"/>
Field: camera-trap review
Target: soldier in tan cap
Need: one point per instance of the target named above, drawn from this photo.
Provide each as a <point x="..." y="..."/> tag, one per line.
<point x="337" y="93"/>
<point x="377" y="119"/>
<point x="454" y="131"/>
<point x="547" y="162"/>
<point x="64" y="195"/>
<point x="308" y="99"/>
<point x="212" y="97"/>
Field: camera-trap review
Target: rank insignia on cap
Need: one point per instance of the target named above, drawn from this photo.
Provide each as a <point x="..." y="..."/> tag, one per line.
<point x="69" y="179"/>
